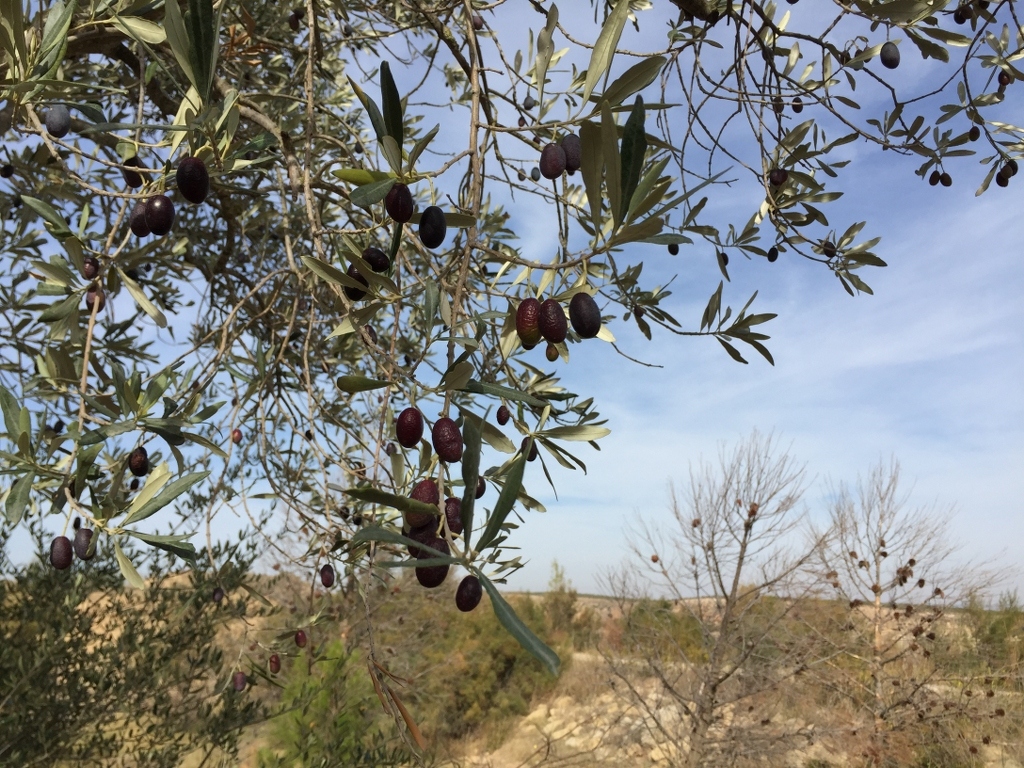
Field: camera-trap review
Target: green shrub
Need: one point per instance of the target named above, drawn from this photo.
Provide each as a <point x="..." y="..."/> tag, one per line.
<point x="330" y="716"/>
<point x="91" y="671"/>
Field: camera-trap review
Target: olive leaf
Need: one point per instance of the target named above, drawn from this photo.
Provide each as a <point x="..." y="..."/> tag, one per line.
<point x="604" y="48"/>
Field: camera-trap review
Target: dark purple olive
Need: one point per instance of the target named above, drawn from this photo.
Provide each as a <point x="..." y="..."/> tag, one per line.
<point x="327" y="576"/>
<point x="159" y="215"/>
<point x="300" y="638"/>
<point x="218" y="594"/>
<point x="447" y="440"/>
<point x="552" y="161"/>
<point x="90" y="267"/>
<point x="890" y="55"/>
<point x="355" y="294"/>
<point x="58" y="121"/>
<point x="83" y="538"/>
<point x="778" y="176"/>
<point x="528" y="322"/>
<point x="95" y="296"/>
<point x="398" y="203"/>
<point x="60" y="553"/>
<point x="573" y="152"/>
<point x="137" y="220"/>
<point x="673" y="249"/>
<point x="426" y="491"/>
<point x="773" y="253"/>
<point x="503" y="415"/>
<point x="551" y="321"/>
<point x="481" y="487"/>
<point x="467" y="596"/>
<point x="478" y="22"/>
<point x="584" y="315"/>
<point x="934" y="178"/>
<point x="423" y="534"/>
<point x="409" y="428"/>
<point x="239" y="681"/>
<point x="431" y="576"/>
<point x="433" y="227"/>
<point x="377" y="259"/>
<point x="193" y="180"/>
<point x="132" y="178"/>
<point x="293" y="21"/>
<point x="533" y="448"/>
<point x="453" y="514"/>
<point x="275" y="664"/>
<point x="138" y="462"/>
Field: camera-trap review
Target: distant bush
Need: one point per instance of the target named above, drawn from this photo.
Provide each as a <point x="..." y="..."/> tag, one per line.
<point x="91" y="672"/>
<point x="465" y="671"/>
<point x="330" y="716"/>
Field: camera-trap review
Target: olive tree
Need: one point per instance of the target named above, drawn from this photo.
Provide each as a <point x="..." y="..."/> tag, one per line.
<point x="237" y="243"/>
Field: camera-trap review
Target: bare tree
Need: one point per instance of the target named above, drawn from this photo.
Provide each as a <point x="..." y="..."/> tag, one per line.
<point x="894" y="569"/>
<point x="734" y="567"/>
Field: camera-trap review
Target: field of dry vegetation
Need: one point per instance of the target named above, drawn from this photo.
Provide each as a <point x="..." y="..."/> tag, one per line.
<point x="624" y="696"/>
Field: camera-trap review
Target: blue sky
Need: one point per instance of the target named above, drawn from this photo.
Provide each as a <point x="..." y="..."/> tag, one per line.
<point x="929" y="370"/>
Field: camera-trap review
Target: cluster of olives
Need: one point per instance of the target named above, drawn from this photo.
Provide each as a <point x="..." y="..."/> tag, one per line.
<point x="565" y="156"/>
<point x="62" y="548"/>
<point x="400" y="206"/>
<point x="537" y="319"/>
